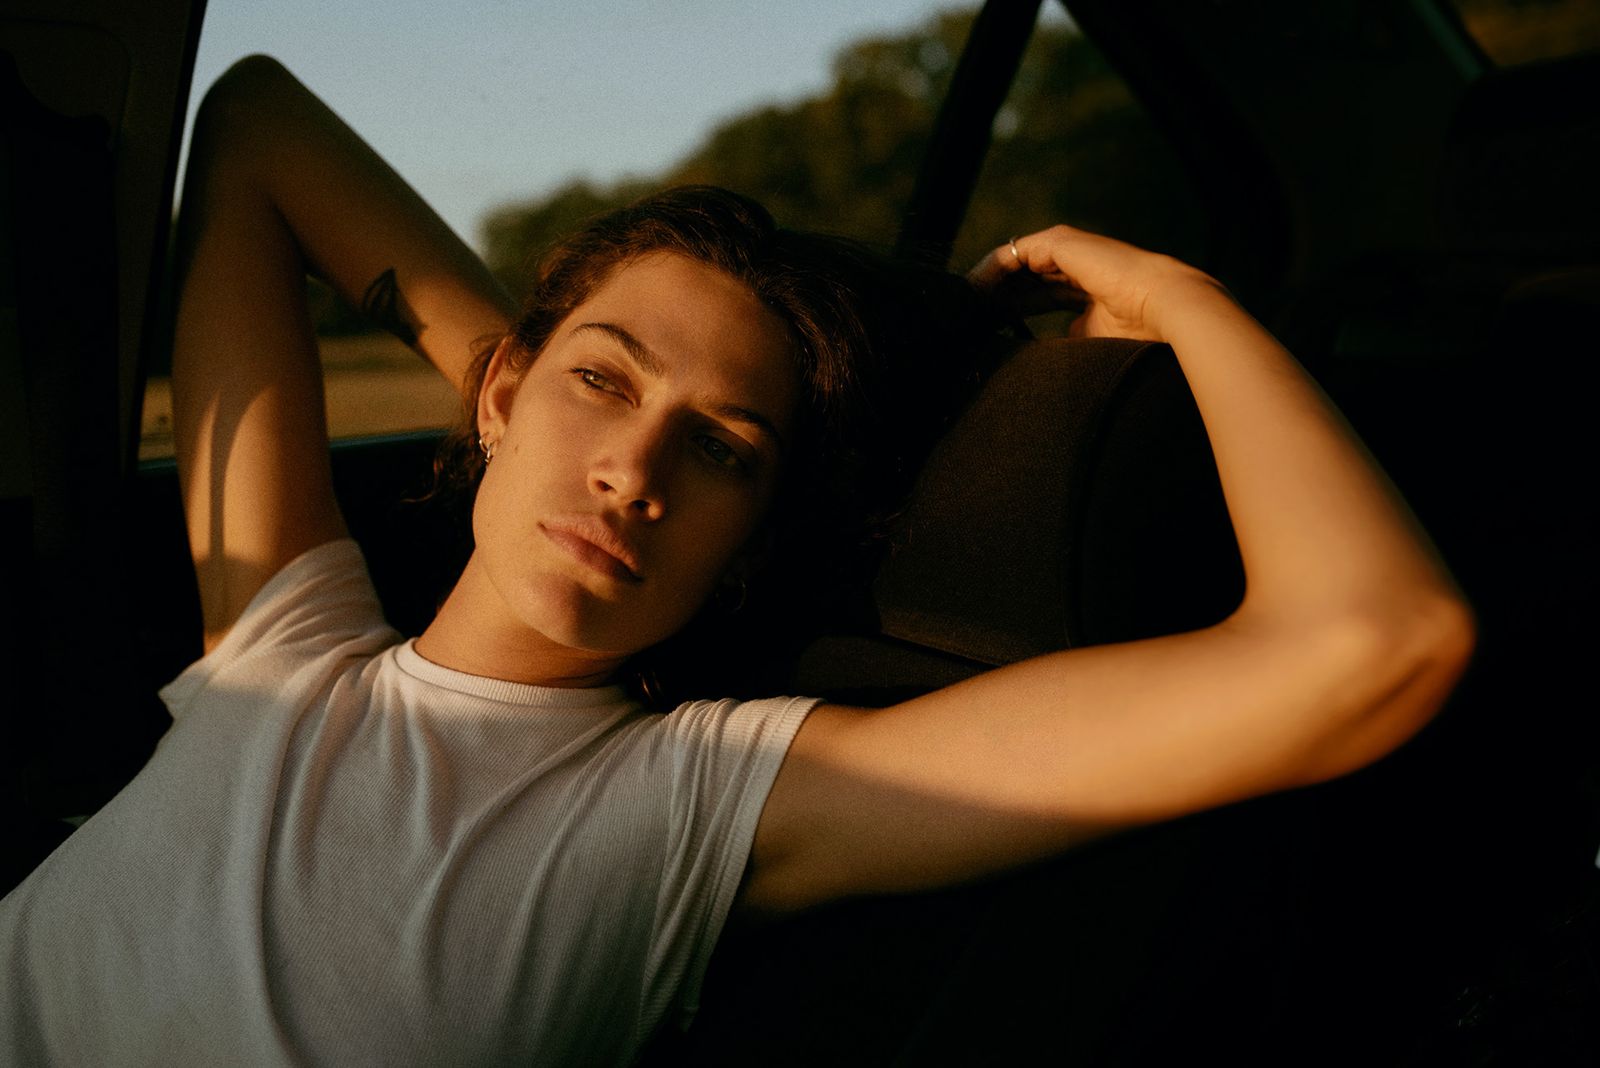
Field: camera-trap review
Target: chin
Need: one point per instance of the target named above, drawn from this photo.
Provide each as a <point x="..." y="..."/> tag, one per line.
<point x="572" y="615"/>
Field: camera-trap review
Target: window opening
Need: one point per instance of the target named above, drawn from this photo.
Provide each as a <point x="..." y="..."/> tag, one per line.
<point x="1072" y="144"/>
<point x="829" y="137"/>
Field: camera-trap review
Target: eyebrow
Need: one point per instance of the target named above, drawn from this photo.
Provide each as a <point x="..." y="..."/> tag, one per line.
<point x="652" y="365"/>
<point x="648" y="361"/>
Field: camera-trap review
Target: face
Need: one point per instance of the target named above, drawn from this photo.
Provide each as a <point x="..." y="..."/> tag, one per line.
<point x="635" y="458"/>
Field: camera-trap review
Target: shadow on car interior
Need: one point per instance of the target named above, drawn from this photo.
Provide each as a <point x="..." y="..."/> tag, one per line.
<point x="1421" y="228"/>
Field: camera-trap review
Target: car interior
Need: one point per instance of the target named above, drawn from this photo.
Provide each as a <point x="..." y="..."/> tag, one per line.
<point x="1416" y="221"/>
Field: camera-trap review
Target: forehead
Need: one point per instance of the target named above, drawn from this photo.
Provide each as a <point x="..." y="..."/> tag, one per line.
<point x="707" y="330"/>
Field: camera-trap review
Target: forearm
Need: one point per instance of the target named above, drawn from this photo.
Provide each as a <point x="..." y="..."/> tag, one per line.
<point x="354" y="219"/>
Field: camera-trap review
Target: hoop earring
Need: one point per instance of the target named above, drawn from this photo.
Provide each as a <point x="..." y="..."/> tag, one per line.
<point x="650" y="686"/>
<point x="487" y="445"/>
<point x="724" y="595"/>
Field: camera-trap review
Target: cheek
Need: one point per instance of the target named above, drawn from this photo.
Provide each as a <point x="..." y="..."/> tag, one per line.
<point x="716" y="536"/>
<point x="504" y="511"/>
<point x="542" y="445"/>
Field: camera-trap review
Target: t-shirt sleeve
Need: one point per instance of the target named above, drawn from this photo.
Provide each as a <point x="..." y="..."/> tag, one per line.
<point x="320" y="600"/>
<point x="724" y="757"/>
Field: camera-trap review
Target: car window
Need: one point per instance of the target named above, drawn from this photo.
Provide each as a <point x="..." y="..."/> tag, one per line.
<point x="1072" y="144"/>
<point x="517" y="121"/>
<point x="831" y="140"/>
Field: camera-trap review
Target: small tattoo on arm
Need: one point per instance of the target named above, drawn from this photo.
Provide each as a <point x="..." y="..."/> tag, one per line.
<point x="385" y="305"/>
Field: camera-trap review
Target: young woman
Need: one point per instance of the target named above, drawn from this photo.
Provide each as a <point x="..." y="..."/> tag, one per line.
<point x="474" y="847"/>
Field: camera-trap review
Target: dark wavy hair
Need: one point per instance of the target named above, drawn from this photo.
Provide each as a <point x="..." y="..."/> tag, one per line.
<point x="883" y="352"/>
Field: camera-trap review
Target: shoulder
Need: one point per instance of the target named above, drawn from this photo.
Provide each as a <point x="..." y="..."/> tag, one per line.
<point x="706" y="749"/>
<point x="713" y="763"/>
<point x="321" y="604"/>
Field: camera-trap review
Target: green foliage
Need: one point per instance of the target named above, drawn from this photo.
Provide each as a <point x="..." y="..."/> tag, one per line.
<point x="842" y="162"/>
<point x="516" y="236"/>
<point x="1071" y="145"/>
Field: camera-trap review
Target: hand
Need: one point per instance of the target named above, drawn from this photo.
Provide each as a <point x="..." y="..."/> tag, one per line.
<point x="1120" y="290"/>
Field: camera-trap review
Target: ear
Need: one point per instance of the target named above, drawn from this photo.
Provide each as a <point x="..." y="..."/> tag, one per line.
<point x="499" y="389"/>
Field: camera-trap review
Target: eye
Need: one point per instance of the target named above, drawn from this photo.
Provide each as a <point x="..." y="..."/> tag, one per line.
<point x="720" y="452"/>
<point x="595" y="380"/>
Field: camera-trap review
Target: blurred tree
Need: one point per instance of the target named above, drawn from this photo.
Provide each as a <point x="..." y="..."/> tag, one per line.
<point x="516" y="235"/>
<point x="1071" y="145"/>
<point x="843" y="161"/>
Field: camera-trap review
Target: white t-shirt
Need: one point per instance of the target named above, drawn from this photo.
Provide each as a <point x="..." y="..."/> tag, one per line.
<point x="342" y="853"/>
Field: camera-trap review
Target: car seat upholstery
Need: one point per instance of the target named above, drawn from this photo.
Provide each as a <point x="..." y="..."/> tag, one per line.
<point x="1074" y="503"/>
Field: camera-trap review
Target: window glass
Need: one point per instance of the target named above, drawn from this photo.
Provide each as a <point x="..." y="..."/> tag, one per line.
<point x="1523" y="31"/>
<point x="517" y="120"/>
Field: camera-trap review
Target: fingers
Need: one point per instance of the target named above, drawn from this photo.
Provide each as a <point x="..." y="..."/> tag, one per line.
<point x="1025" y="275"/>
<point x="993" y="268"/>
<point x="1062" y="267"/>
<point x="1043" y="253"/>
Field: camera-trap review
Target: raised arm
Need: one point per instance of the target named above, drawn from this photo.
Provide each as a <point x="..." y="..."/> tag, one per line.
<point x="279" y="187"/>
<point x="1350" y="636"/>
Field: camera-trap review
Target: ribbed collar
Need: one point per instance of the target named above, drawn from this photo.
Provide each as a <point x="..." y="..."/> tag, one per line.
<point x="517" y="693"/>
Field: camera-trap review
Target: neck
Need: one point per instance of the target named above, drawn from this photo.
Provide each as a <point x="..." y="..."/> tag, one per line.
<point x="475" y="634"/>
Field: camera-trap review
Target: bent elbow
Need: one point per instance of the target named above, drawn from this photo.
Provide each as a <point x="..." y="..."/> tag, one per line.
<point x="246" y="80"/>
<point x="1440" y="634"/>
<point x="1412" y="664"/>
<point x="1461" y="639"/>
<point x="249" y="93"/>
<point x="1432" y="633"/>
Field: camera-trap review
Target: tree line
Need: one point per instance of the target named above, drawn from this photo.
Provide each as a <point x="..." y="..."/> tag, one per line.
<point x="844" y="160"/>
<point x="1070" y="144"/>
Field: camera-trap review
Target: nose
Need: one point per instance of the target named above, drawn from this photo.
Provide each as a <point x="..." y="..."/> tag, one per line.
<point x="633" y="471"/>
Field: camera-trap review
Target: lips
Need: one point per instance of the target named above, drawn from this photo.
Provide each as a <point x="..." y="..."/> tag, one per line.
<point x="590" y="541"/>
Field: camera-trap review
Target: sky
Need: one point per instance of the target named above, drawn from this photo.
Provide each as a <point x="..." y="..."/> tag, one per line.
<point x="499" y="101"/>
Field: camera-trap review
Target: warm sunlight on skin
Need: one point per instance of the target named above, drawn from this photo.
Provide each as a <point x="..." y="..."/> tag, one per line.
<point x="634" y="461"/>
<point x="1350" y="637"/>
